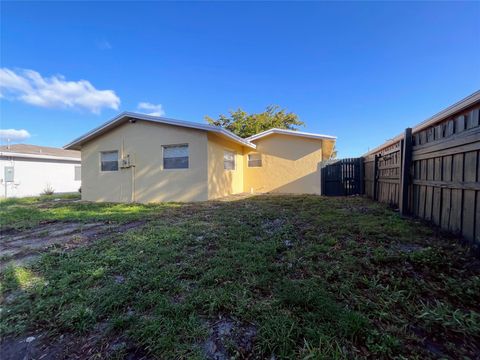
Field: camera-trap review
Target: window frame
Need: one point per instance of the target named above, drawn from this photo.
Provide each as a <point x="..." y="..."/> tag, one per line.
<point x="187" y="145"/>
<point x="118" y="160"/>
<point x="234" y="159"/>
<point x="248" y="160"/>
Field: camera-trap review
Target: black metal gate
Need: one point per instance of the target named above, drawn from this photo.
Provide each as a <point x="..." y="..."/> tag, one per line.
<point x="344" y="177"/>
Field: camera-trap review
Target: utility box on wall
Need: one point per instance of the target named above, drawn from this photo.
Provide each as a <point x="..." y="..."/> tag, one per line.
<point x="9" y="175"/>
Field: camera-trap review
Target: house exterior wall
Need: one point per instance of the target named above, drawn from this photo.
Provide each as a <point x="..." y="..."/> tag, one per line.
<point x="147" y="181"/>
<point x="328" y="146"/>
<point x="290" y="164"/>
<point x="33" y="176"/>
<point x="223" y="182"/>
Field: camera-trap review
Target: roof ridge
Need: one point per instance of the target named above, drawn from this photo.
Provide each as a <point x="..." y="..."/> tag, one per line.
<point x="159" y="119"/>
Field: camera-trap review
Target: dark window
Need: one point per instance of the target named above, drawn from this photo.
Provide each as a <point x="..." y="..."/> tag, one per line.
<point x="175" y="156"/>
<point x="109" y="161"/>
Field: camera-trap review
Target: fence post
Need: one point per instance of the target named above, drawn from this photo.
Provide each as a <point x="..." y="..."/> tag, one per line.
<point x="405" y="177"/>
<point x="374" y="182"/>
<point x="322" y="180"/>
<point x="361" y="164"/>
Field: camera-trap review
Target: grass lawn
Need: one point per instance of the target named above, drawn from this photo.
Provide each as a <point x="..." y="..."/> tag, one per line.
<point x="264" y="277"/>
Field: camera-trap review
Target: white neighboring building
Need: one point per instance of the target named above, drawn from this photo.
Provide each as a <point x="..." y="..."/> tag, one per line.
<point x="28" y="170"/>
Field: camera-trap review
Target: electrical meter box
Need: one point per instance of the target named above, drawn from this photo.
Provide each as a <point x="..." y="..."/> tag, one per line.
<point x="9" y="174"/>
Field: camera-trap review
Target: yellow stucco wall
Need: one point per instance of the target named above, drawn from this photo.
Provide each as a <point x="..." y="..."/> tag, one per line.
<point x="143" y="140"/>
<point x="223" y="182"/>
<point x="290" y="164"/>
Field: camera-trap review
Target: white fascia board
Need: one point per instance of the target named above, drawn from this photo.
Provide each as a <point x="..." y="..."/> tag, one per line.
<point x="125" y="115"/>
<point x="37" y="156"/>
<point x="442" y="115"/>
<point x="290" y="132"/>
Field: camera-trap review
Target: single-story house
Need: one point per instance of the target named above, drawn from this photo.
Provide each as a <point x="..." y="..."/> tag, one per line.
<point x="30" y="170"/>
<point x="142" y="158"/>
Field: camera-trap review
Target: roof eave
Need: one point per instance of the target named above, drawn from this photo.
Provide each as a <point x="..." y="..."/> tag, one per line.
<point x="292" y="133"/>
<point x="77" y="143"/>
<point x="38" y="156"/>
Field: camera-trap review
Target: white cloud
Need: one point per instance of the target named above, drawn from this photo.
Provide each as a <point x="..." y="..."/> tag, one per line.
<point x="14" y="134"/>
<point x="54" y="92"/>
<point x="152" y="109"/>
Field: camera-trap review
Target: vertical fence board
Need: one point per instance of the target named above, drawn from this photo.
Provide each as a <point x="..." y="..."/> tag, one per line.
<point x="477" y="218"/>
<point x="421" y="200"/>
<point x="469" y="196"/>
<point x="446" y="193"/>
<point x="456" y="206"/>
<point x="437" y="192"/>
<point x="429" y="191"/>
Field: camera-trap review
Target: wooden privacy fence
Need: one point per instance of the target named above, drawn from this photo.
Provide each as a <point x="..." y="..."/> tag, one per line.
<point x="432" y="171"/>
<point x="343" y="177"/>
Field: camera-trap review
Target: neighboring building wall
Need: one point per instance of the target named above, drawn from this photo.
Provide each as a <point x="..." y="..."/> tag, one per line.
<point x="147" y="181"/>
<point x="223" y="182"/>
<point x="33" y="176"/>
<point x="290" y="164"/>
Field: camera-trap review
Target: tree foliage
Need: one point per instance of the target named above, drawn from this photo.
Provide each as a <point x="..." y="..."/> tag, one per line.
<point x="244" y="125"/>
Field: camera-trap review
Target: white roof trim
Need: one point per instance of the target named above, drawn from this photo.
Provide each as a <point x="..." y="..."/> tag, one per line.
<point x="123" y="116"/>
<point x="290" y="132"/>
<point x="452" y="109"/>
<point x="37" y="156"/>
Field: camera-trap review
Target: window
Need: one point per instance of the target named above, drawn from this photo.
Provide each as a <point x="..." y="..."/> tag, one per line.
<point x="175" y="156"/>
<point x="109" y="161"/>
<point x="254" y="160"/>
<point x="228" y="160"/>
<point x="78" y="173"/>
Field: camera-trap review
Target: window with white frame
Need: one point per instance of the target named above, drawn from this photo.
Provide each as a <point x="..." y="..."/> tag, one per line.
<point x="109" y="160"/>
<point x="254" y="160"/>
<point x="78" y="173"/>
<point x="228" y="160"/>
<point x="175" y="156"/>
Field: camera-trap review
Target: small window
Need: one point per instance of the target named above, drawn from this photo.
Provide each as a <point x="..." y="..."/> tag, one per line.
<point x="175" y="156"/>
<point x="78" y="173"/>
<point x="228" y="160"/>
<point x="109" y="161"/>
<point x="254" y="160"/>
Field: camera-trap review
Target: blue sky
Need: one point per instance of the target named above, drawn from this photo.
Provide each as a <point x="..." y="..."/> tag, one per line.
<point x="360" y="71"/>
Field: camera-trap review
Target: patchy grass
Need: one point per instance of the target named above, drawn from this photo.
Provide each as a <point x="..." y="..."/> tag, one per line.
<point x="24" y="213"/>
<point x="290" y="276"/>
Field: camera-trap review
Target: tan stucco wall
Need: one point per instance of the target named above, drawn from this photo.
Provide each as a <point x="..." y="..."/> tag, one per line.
<point x="223" y="182"/>
<point x="144" y="140"/>
<point x="290" y="164"/>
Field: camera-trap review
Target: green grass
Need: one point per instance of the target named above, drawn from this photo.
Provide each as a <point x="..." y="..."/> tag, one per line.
<point x="24" y="213"/>
<point x="320" y="278"/>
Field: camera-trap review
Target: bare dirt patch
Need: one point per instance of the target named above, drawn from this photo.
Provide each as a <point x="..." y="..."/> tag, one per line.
<point x="227" y="334"/>
<point x="95" y="345"/>
<point x="19" y="247"/>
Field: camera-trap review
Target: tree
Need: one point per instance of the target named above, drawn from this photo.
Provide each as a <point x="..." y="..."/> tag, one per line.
<point x="244" y="125"/>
